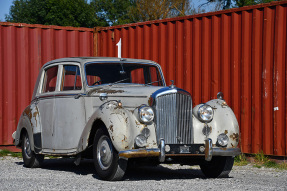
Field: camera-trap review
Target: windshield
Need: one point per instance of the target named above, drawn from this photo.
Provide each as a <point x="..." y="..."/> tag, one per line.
<point x="113" y="73"/>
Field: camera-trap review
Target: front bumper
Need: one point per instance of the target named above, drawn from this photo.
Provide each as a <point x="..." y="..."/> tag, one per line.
<point x="160" y="152"/>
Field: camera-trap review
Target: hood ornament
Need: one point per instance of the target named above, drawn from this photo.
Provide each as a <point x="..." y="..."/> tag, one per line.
<point x="172" y="84"/>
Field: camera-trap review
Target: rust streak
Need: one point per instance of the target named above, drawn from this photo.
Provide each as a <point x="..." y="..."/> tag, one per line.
<point x="105" y="91"/>
<point x="235" y="137"/>
<point x="139" y="153"/>
<point x="111" y="128"/>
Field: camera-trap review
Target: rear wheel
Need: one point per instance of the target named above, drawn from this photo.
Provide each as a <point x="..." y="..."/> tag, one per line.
<point x="107" y="162"/>
<point x="30" y="159"/>
<point x="218" y="167"/>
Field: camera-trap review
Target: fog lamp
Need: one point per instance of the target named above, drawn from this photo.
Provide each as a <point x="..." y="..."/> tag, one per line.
<point x="141" y="141"/>
<point x="222" y="140"/>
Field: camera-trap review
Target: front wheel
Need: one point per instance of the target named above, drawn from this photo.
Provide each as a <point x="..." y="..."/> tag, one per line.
<point x="30" y="159"/>
<point x="218" y="167"/>
<point x="107" y="162"/>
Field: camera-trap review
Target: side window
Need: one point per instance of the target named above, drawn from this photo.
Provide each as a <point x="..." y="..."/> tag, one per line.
<point x="71" y="78"/>
<point x="50" y="79"/>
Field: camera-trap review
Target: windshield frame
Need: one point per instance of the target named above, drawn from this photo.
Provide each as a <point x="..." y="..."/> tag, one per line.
<point x="123" y="62"/>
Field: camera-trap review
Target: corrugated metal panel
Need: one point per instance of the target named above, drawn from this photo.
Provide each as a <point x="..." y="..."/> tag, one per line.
<point x="241" y="52"/>
<point x="23" y="50"/>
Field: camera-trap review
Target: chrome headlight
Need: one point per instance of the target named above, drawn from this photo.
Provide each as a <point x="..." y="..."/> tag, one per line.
<point x="146" y="114"/>
<point x="140" y="140"/>
<point x="222" y="140"/>
<point x="205" y="113"/>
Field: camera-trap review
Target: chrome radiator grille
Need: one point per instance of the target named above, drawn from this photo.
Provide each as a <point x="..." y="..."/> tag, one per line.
<point x="174" y="118"/>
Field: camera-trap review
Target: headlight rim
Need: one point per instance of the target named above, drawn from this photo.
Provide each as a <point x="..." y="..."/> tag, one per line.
<point x="140" y="114"/>
<point x="199" y="115"/>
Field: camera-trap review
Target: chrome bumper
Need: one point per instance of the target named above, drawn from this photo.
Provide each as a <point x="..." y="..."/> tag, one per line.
<point x="160" y="152"/>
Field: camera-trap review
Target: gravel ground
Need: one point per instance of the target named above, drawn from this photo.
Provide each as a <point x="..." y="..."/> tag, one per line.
<point x="62" y="174"/>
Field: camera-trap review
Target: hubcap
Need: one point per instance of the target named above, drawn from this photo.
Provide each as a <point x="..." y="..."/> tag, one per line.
<point x="104" y="152"/>
<point x="27" y="147"/>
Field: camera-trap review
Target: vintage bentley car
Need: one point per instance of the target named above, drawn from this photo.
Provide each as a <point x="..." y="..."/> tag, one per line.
<point x="119" y="111"/>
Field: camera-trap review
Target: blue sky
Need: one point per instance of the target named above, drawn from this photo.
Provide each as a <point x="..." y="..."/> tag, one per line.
<point x="4" y="8"/>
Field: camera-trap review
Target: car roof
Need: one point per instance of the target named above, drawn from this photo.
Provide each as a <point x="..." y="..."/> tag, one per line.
<point x="83" y="60"/>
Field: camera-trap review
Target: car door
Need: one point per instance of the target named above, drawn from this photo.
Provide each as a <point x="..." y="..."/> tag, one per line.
<point x="45" y="102"/>
<point x="69" y="112"/>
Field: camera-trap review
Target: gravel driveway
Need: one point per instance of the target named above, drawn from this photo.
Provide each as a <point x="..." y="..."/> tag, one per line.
<point x="62" y="174"/>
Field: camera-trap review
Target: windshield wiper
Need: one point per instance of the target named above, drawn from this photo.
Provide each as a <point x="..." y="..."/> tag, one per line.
<point x="118" y="82"/>
<point x="153" y="82"/>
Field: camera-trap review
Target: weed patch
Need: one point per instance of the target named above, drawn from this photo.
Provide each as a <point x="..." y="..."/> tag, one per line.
<point x="6" y="152"/>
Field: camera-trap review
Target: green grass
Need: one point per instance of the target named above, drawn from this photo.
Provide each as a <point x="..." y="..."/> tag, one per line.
<point x="240" y="160"/>
<point x="6" y="152"/>
<point x="260" y="160"/>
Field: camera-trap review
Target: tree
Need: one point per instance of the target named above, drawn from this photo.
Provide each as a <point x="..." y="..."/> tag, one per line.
<point x="145" y="10"/>
<point x="77" y="13"/>
<point x="113" y="12"/>
<point x="226" y="4"/>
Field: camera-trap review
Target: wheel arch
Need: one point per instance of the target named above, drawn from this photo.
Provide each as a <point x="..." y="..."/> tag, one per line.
<point x="116" y="124"/>
<point x="24" y="127"/>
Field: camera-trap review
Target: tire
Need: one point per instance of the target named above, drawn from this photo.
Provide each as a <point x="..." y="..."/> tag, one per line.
<point x="218" y="167"/>
<point x="107" y="162"/>
<point x="31" y="160"/>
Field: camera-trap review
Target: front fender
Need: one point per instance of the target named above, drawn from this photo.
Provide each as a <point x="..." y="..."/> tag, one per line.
<point x="224" y="121"/>
<point x="117" y="122"/>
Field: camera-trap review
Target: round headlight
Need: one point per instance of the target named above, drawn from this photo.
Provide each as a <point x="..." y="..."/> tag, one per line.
<point x="146" y="114"/>
<point x="205" y="113"/>
<point x="141" y="141"/>
<point x="222" y="140"/>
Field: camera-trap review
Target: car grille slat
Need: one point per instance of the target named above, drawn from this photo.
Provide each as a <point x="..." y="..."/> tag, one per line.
<point x="174" y="118"/>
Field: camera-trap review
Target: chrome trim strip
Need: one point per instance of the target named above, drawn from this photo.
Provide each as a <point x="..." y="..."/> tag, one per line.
<point x="226" y="151"/>
<point x="162" y="151"/>
<point x="166" y="90"/>
<point x="137" y="153"/>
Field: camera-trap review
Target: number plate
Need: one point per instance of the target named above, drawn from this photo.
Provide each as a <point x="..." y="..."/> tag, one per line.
<point x="184" y="149"/>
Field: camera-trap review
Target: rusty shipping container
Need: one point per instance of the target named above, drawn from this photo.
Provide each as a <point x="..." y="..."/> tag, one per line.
<point x="241" y="52"/>
<point x="23" y="50"/>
